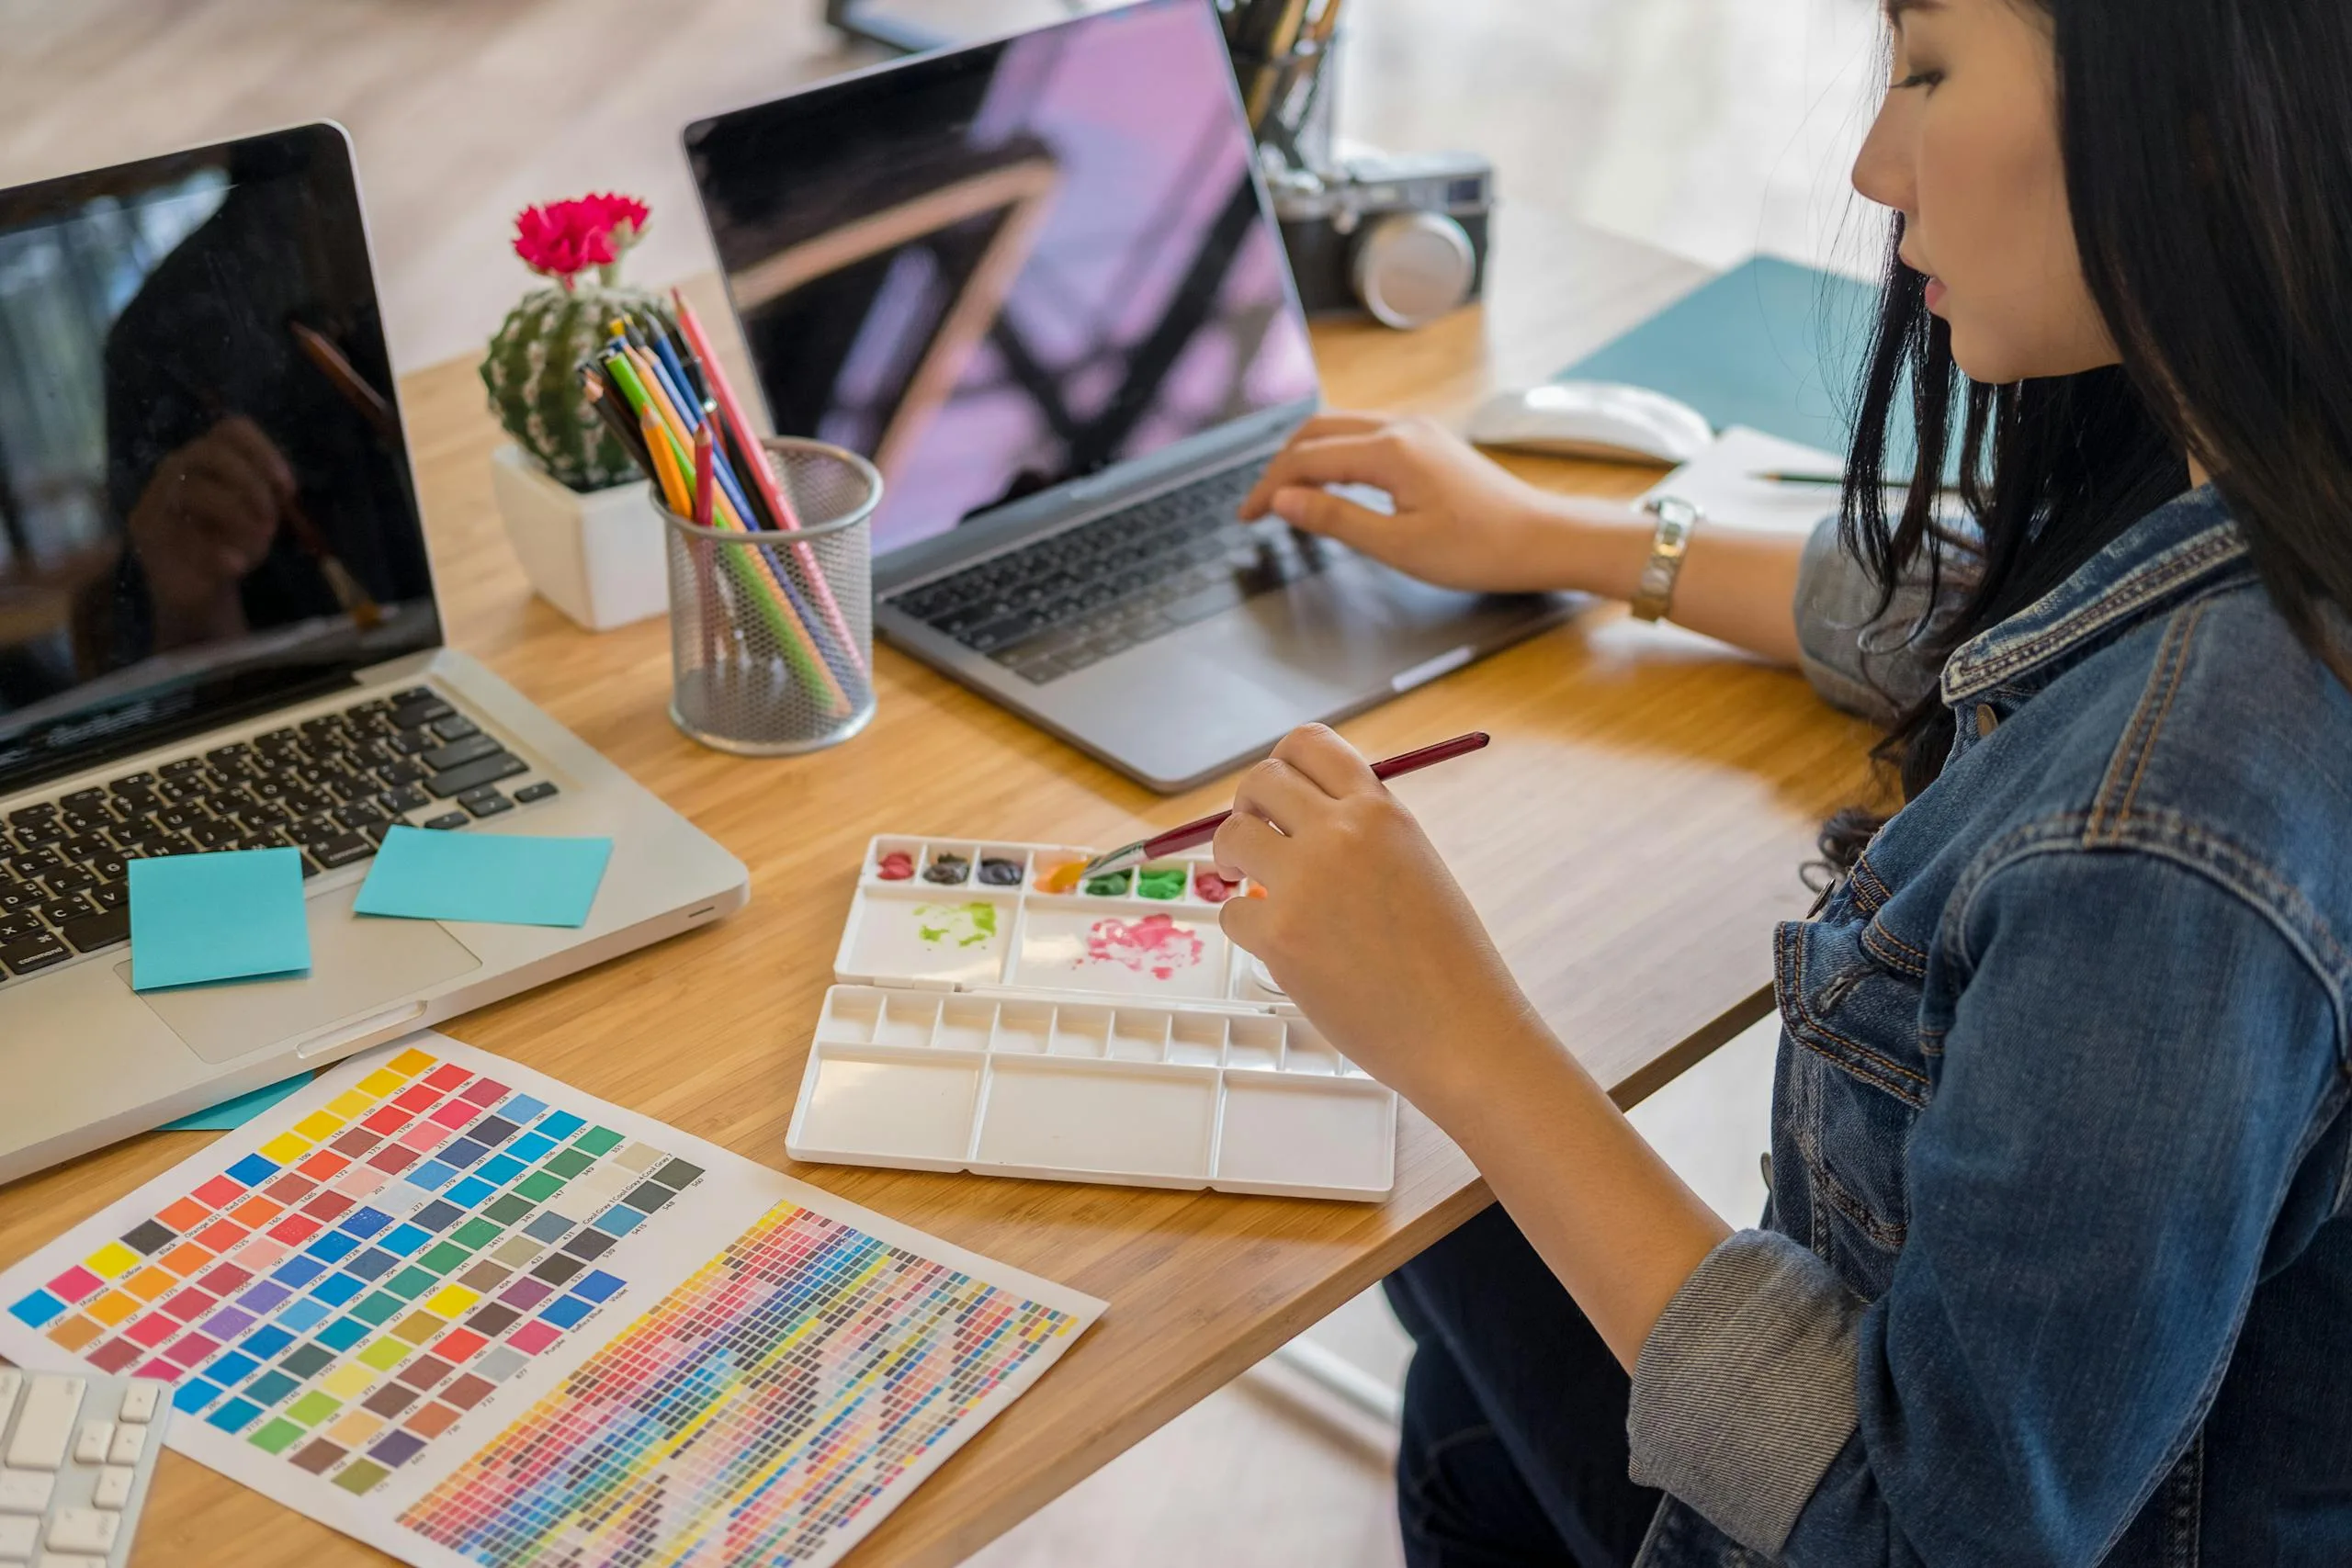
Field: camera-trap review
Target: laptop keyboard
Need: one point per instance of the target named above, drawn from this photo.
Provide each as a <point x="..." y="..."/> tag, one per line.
<point x="330" y="787"/>
<point x="1069" y="601"/>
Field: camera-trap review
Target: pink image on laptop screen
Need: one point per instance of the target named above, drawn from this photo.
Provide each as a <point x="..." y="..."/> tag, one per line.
<point x="1012" y="266"/>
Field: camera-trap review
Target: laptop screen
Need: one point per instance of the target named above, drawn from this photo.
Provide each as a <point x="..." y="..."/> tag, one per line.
<point x="204" y="501"/>
<point x="1000" y="269"/>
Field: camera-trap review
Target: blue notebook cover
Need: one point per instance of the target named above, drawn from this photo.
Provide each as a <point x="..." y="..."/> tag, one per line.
<point x="1770" y="345"/>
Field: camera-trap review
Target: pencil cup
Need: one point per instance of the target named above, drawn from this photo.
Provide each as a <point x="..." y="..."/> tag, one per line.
<point x="771" y="632"/>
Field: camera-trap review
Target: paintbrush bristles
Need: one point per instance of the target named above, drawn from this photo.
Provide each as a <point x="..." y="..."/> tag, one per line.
<point x="1118" y="860"/>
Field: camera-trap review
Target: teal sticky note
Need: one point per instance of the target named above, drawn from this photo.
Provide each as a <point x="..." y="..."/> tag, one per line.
<point x="502" y="879"/>
<point x="217" y="917"/>
<point x="238" y="1111"/>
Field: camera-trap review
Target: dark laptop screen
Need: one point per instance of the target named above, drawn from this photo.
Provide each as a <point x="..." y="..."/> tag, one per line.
<point x="999" y="269"/>
<point x="204" y="501"/>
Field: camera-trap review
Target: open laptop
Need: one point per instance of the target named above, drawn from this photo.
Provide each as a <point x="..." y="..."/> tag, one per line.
<point x="218" y="631"/>
<point x="1039" y="283"/>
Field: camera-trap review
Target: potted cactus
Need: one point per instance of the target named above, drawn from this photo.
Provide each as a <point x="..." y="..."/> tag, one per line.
<point x="575" y="506"/>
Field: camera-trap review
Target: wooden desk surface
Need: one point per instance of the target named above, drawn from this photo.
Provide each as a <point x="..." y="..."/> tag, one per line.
<point x="1631" y="836"/>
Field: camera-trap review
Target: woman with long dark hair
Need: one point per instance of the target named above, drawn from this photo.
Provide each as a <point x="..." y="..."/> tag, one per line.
<point x="2058" y="1266"/>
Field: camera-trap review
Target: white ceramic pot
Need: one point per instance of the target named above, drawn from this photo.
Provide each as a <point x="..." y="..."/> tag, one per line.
<point x="597" y="556"/>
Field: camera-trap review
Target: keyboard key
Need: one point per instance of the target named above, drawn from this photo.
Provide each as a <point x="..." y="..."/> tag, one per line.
<point x="45" y="1422"/>
<point x="90" y="1443"/>
<point x="102" y="930"/>
<point x="18" y="926"/>
<point x="15" y="896"/>
<point x="186" y="767"/>
<point x="485" y="802"/>
<point x="130" y="1442"/>
<point x="33" y="953"/>
<point x="18" y="1536"/>
<point x="473" y="775"/>
<point x="140" y="1400"/>
<point x="448" y="820"/>
<point x="531" y="792"/>
<point x="455" y="728"/>
<point x="73" y="906"/>
<point x="80" y="800"/>
<point x="341" y="850"/>
<point x="25" y="1491"/>
<point x="458" y="752"/>
<point x="83" y="1529"/>
<point x="408" y="715"/>
<point x="113" y="1490"/>
<point x="406" y="798"/>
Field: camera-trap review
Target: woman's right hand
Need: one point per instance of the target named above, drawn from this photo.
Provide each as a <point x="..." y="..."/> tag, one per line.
<point x="1460" y="521"/>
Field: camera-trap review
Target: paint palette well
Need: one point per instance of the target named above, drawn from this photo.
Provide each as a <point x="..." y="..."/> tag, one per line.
<point x="999" y="1015"/>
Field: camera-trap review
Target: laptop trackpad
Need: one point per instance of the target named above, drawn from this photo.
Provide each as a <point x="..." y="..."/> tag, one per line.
<point x="356" y="964"/>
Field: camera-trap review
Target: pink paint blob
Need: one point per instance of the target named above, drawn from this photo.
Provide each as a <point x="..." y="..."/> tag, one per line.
<point x="1155" y="944"/>
<point x="1213" y="887"/>
<point x="895" y="866"/>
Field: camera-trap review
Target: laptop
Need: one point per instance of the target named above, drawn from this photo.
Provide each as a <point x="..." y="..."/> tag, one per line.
<point x="218" y="631"/>
<point x="1039" y="283"/>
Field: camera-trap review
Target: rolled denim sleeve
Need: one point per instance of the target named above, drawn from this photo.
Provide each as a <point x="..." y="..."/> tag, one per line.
<point x="2092" y="1189"/>
<point x="1857" y="657"/>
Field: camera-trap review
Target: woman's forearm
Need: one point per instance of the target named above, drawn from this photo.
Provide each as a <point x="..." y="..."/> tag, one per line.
<point x="1737" y="585"/>
<point x="1611" y="1219"/>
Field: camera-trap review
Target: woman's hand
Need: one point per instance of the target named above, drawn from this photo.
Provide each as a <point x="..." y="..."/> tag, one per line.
<point x="1363" y="925"/>
<point x="1460" y="522"/>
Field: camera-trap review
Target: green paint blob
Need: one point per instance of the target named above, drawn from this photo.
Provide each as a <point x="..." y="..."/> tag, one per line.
<point x="965" y="925"/>
<point x="1109" y="887"/>
<point x="1161" y="881"/>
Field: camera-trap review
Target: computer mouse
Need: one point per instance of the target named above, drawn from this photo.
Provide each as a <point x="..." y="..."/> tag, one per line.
<point x="1593" y="419"/>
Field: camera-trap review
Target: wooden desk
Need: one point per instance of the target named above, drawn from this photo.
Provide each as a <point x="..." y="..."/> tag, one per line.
<point x="1630" y="837"/>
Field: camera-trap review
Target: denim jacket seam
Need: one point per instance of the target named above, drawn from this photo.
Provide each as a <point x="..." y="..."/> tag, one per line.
<point x="1895" y="953"/>
<point x="1791" y="985"/>
<point x="2166" y="676"/>
<point x="2166" y="836"/>
<point x="1970" y="671"/>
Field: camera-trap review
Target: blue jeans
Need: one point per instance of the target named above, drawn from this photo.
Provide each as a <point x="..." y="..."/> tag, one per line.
<point x="1513" y="1452"/>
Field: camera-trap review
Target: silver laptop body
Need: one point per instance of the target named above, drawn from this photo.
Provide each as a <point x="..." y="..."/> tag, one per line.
<point x="1040" y="282"/>
<point x="134" y="721"/>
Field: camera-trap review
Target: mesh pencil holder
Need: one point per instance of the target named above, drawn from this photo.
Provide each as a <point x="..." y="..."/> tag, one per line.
<point x="771" y="633"/>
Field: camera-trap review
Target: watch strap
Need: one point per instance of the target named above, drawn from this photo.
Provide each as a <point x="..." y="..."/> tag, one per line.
<point x="1676" y="520"/>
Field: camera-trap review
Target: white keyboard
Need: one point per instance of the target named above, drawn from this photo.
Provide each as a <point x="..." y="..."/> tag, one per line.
<point x="76" y="1456"/>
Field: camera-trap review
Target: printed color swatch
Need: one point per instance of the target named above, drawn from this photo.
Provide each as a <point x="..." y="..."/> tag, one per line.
<point x="752" y="1416"/>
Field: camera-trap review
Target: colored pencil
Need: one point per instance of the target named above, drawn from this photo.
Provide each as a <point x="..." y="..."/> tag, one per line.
<point x="1195" y="833"/>
<point x="706" y="475"/>
<point x="761" y="477"/>
<point x="770" y="596"/>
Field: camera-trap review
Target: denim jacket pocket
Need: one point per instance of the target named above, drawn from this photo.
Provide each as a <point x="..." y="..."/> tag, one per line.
<point x="1851" y="1090"/>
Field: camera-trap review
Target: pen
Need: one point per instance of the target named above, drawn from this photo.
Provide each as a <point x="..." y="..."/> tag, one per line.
<point x="1192" y="834"/>
<point x="1837" y="481"/>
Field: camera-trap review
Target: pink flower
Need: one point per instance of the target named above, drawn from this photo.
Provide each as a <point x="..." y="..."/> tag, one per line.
<point x="567" y="237"/>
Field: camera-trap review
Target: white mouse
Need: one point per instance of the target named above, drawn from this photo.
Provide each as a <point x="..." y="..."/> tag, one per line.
<point x="1593" y="419"/>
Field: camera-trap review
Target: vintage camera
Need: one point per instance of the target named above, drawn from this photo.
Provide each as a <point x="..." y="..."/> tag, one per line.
<point x="1401" y="236"/>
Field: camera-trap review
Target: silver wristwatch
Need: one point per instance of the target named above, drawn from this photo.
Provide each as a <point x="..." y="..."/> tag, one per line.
<point x="1676" y="518"/>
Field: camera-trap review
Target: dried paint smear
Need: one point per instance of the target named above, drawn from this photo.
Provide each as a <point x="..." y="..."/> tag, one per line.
<point x="1155" y="945"/>
<point x="965" y="925"/>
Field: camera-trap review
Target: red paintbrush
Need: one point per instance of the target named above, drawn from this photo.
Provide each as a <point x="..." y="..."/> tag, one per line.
<point x="1192" y="834"/>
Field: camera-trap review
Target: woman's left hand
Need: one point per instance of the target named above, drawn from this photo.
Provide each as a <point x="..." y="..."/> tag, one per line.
<point x="1360" y="923"/>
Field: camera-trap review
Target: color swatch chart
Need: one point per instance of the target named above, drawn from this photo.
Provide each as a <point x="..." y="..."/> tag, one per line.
<point x="402" y="1302"/>
<point x="338" y="1297"/>
<point x="758" y="1410"/>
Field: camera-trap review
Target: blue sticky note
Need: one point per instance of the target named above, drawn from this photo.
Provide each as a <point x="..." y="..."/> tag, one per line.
<point x="217" y="917"/>
<point x="238" y="1111"/>
<point x="502" y="879"/>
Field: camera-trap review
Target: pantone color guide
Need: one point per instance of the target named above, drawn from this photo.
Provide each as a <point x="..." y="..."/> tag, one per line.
<point x="473" y="1316"/>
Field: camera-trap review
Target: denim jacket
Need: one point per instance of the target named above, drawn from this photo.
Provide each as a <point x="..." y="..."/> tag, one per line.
<point x="2058" y="1266"/>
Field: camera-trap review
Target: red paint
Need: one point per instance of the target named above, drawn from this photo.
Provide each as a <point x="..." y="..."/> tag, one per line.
<point x="1155" y="944"/>
<point x="1211" y="886"/>
<point x="897" y="867"/>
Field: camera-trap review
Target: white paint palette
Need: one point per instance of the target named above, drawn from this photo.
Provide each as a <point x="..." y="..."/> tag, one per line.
<point x="993" y="1019"/>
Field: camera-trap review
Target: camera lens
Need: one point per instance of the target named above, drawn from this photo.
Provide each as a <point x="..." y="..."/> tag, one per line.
<point x="1412" y="267"/>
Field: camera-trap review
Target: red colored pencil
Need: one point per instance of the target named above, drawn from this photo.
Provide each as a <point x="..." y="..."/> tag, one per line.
<point x="1192" y="834"/>
<point x="757" y="473"/>
<point x="706" y="475"/>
